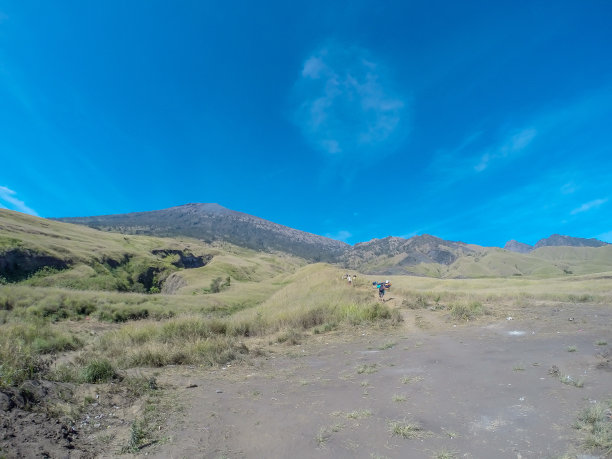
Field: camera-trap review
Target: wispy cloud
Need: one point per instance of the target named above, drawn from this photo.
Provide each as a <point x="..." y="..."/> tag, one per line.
<point x="8" y="200"/>
<point x="589" y="206"/>
<point x="555" y="130"/>
<point x="512" y="145"/>
<point x="569" y="188"/>
<point x="346" y="103"/>
<point x="473" y="155"/>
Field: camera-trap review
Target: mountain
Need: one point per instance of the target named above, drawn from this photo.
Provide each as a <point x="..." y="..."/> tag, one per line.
<point x="395" y="255"/>
<point x="518" y="247"/>
<point x="84" y="258"/>
<point x="569" y="241"/>
<point x="212" y="222"/>
<point x="422" y="255"/>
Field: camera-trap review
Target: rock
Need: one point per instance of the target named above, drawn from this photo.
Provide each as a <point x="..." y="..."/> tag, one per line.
<point x="219" y="391"/>
<point x="6" y="404"/>
<point x="33" y="391"/>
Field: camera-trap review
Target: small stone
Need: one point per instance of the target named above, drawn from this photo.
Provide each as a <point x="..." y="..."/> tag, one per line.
<point x="219" y="391"/>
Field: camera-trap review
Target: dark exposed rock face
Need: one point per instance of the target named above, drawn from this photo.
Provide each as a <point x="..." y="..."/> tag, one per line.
<point x="569" y="241"/>
<point x="17" y="264"/>
<point x="210" y="222"/>
<point x="518" y="247"/>
<point x="186" y="260"/>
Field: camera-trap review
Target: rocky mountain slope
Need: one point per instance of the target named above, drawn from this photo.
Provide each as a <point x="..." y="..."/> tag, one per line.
<point x="212" y="222"/>
<point x="424" y="255"/>
<point x="557" y="240"/>
<point x="394" y="254"/>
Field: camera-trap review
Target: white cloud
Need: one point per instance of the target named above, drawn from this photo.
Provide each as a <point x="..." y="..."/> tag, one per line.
<point x="588" y="206"/>
<point x="8" y="200"/>
<point x="346" y="103"/>
<point x="514" y="144"/>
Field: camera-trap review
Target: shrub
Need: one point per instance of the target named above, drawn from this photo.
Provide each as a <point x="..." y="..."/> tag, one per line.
<point x="467" y="312"/>
<point x="98" y="371"/>
<point x="219" y="284"/>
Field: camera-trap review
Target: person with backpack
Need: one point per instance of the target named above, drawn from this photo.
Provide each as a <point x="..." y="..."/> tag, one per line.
<point x="382" y="286"/>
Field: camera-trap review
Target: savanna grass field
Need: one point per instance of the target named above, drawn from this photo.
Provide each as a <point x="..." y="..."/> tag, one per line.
<point x="101" y="355"/>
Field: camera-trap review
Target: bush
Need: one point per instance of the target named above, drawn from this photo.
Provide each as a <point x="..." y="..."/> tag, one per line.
<point x="98" y="371"/>
<point x="219" y="284"/>
<point x="467" y="312"/>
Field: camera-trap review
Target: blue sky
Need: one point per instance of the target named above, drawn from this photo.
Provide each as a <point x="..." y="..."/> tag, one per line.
<point x="472" y="121"/>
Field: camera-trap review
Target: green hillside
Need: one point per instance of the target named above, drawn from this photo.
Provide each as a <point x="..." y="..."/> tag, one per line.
<point x="165" y="301"/>
<point x="44" y="253"/>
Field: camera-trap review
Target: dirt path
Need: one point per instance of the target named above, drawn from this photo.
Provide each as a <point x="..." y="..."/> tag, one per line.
<point x="482" y="390"/>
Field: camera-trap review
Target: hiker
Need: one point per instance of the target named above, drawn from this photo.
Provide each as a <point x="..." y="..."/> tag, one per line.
<point x="382" y="286"/>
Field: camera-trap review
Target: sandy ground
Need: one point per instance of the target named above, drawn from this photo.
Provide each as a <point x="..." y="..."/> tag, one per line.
<point x="482" y="389"/>
<point x="477" y="390"/>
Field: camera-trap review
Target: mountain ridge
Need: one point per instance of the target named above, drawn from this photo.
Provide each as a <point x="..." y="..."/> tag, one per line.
<point x="422" y="254"/>
<point x="213" y="222"/>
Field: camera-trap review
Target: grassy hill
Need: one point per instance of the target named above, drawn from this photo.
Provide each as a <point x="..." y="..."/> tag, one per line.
<point x="181" y="300"/>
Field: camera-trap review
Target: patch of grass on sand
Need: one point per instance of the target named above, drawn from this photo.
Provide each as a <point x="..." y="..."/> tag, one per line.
<point x="411" y="379"/>
<point x="399" y="397"/>
<point x="595" y="425"/>
<point x="367" y="368"/>
<point x="567" y="379"/>
<point x="571" y="348"/>
<point x="139" y="433"/>
<point x="466" y="312"/>
<point x="359" y="414"/>
<point x="444" y="454"/>
<point x="387" y="345"/>
<point x="322" y="436"/>
<point x="406" y="429"/>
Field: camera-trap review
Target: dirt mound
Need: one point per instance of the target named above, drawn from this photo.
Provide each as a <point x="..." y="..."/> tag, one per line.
<point x="28" y="429"/>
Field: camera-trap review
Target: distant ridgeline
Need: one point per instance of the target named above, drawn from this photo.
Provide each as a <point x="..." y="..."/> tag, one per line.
<point x="421" y="255"/>
<point x="556" y="240"/>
